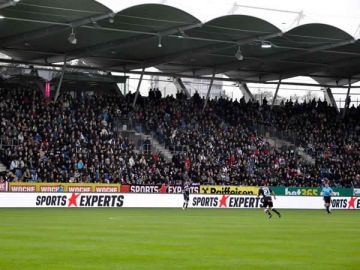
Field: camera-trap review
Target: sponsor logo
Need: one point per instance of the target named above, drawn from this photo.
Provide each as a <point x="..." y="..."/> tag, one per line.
<point x="80" y="200"/>
<point x="292" y="193"/>
<point x="245" y="202"/>
<point x="227" y="201"/>
<point x="51" y="200"/>
<point x="23" y="188"/>
<point x="3" y="186"/>
<point x="49" y="188"/>
<point x="106" y="189"/>
<point x="157" y="189"/>
<point x="301" y="192"/>
<point x="205" y="201"/>
<point x="228" y="190"/>
<point x="353" y="204"/>
<point x="68" y="187"/>
<point x="357" y="192"/>
<point x="346" y="203"/>
<point x="80" y="189"/>
<point x="305" y="192"/>
<point x="223" y="201"/>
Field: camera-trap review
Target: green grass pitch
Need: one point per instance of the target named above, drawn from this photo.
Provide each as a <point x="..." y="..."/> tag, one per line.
<point x="176" y="239"/>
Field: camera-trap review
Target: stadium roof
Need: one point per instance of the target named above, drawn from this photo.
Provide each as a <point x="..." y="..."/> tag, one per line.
<point x="175" y="42"/>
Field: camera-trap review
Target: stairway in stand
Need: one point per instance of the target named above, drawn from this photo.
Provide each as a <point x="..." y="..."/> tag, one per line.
<point x="156" y="147"/>
<point x="299" y="150"/>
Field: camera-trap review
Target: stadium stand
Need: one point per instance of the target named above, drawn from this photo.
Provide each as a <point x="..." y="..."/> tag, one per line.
<point x="75" y="140"/>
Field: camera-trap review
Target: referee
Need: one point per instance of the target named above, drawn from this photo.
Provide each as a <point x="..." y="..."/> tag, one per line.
<point x="327" y="192"/>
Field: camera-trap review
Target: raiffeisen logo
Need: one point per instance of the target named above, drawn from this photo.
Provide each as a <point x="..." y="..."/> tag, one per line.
<point x="80" y="200"/>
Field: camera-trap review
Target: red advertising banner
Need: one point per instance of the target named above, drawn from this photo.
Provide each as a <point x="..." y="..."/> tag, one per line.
<point x="157" y="189"/>
<point x="3" y="186"/>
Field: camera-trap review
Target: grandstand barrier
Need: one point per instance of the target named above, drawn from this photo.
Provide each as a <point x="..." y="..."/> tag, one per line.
<point x="67" y="187"/>
<point x="131" y="200"/>
<point x="163" y="188"/>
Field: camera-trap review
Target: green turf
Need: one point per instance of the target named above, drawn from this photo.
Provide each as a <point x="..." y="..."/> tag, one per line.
<point x="176" y="239"/>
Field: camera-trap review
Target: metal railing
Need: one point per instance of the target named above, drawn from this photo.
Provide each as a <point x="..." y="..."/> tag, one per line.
<point x="178" y="149"/>
<point x="7" y="142"/>
<point x="145" y="149"/>
<point x="280" y="135"/>
<point x="285" y="141"/>
<point x="121" y="125"/>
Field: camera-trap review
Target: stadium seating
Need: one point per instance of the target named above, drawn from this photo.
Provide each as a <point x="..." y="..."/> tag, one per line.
<point x="75" y="140"/>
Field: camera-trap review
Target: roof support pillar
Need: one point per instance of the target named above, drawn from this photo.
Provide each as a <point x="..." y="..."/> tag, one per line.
<point x="208" y="93"/>
<point x="61" y="80"/>
<point x="138" y="87"/>
<point x="180" y="86"/>
<point x="246" y="92"/>
<point x="347" y="100"/>
<point x="329" y="97"/>
<point x="276" y="93"/>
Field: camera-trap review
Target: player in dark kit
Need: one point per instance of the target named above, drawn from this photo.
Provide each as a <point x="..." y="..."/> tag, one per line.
<point x="266" y="193"/>
<point x="186" y="193"/>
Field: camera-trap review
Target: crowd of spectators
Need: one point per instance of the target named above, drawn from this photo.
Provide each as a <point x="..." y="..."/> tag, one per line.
<point x="75" y="140"/>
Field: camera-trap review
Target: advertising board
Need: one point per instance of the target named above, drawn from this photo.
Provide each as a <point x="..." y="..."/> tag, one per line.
<point x="156" y="189"/>
<point x="229" y="190"/>
<point x="67" y="187"/>
<point x="151" y="200"/>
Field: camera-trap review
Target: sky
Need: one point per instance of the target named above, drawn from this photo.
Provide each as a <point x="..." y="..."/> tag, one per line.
<point x="282" y="13"/>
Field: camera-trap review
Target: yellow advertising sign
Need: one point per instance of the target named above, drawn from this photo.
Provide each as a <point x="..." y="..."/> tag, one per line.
<point x="229" y="190"/>
<point x="67" y="187"/>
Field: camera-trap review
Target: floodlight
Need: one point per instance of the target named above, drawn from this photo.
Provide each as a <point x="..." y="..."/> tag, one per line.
<point x="72" y="38"/>
<point x="239" y="56"/>
<point x="266" y="45"/>
<point x="159" y="45"/>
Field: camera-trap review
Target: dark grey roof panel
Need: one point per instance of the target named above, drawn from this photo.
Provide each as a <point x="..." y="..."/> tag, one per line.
<point x="54" y="10"/>
<point x="131" y="41"/>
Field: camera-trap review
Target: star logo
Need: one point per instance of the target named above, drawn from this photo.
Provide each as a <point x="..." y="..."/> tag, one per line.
<point x="352" y="202"/>
<point x="163" y="188"/>
<point x="72" y="199"/>
<point x="223" y="200"/>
